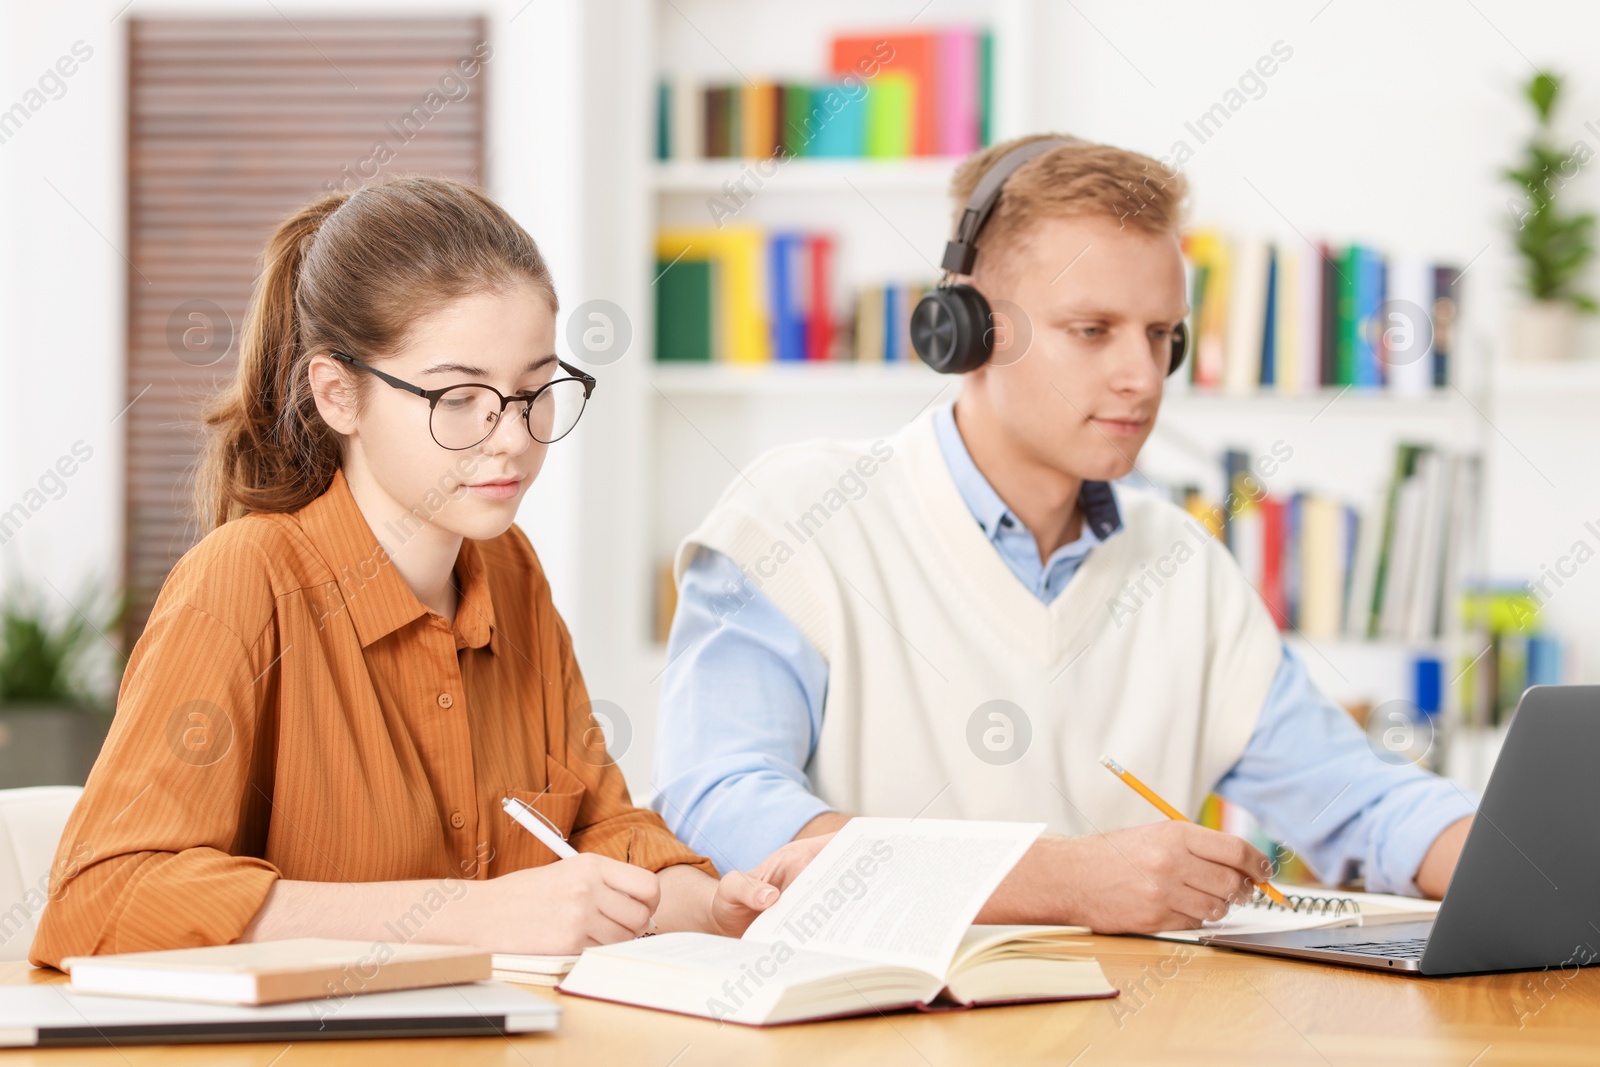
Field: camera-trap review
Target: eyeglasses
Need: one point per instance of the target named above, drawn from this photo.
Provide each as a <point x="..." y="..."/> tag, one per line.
<point x="461" y="416"/>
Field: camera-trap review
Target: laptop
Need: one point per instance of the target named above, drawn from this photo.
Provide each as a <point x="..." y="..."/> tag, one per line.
<point x="1526" y="892"/>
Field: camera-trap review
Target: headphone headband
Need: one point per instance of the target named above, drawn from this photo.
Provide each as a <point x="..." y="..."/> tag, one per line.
<point x="960" y="253"/>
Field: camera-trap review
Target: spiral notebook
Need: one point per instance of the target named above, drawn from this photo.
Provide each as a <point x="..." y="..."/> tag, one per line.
<point x="1308" y="909"/>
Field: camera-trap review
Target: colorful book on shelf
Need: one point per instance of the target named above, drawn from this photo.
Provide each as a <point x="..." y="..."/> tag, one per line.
<point x="821" y="327"/>
<point x="789" y="302"/>
<point x="836" y="122"/>
<point x="739" y="310"/>
<point x="869" y="329"/>
<point x="683" y="292"/>
<point x="1296" y="317"/>
<point x="887" y="96"/>
<point x="905" y="121"/>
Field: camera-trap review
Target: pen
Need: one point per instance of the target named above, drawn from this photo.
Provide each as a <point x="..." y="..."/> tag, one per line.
<point x="1173" y="813"/>
<point x="533" y="820"/>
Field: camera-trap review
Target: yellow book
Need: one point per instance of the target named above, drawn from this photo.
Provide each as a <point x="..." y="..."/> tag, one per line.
<point x="739" y="282"/>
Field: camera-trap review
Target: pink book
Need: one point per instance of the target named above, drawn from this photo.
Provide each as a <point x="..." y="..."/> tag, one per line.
<point x="956" y="102"/>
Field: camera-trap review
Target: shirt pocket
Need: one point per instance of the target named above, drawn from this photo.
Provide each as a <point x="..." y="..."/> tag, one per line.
<point x="559" y="802"/>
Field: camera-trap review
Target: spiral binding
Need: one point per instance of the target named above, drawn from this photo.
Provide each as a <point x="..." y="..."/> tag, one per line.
<point x="1301" y="905"/>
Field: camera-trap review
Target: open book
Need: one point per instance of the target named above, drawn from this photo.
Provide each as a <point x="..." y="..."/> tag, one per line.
<point x="1309" y="909"/>
<point x="881" y="919"/>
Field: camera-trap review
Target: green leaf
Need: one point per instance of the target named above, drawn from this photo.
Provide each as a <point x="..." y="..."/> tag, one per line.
<point x="1542" y="91"/>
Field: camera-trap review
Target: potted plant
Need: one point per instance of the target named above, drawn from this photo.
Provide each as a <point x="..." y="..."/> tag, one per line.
<point x="53" y="719"/>
<point x="1556" y="246"/>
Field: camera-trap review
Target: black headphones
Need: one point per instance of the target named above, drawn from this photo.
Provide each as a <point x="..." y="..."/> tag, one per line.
<point x="951" y="326"/>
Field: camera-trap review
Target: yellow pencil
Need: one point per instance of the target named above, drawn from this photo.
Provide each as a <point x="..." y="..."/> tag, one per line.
<point x="1173" y="813"/>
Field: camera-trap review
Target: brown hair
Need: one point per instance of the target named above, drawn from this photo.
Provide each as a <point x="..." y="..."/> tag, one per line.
<point x="351" y="272"/>
<point x="1076" y="179"/>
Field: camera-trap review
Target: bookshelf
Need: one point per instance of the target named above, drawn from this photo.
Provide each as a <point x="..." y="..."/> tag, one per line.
<point x="668" y="438"/>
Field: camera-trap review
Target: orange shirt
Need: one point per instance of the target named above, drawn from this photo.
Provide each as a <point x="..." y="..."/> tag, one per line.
<point x="293" y="710"/>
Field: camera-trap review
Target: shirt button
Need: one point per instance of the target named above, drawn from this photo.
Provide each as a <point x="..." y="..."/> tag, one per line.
<point x="457" y="819"/>
<point x="445" y="700"/>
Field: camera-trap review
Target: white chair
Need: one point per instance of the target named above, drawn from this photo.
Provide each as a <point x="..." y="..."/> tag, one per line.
<point x="31" y="821"/>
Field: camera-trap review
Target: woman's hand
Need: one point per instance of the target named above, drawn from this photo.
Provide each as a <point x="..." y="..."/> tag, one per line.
<point x="742" y="895"/>
<point x="563" y="908"/>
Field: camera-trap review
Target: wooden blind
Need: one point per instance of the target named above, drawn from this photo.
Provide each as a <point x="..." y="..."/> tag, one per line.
<point x="233" y="124"/>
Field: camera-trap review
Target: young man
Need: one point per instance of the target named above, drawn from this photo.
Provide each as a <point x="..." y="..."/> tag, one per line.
<point x="930" y="624"/>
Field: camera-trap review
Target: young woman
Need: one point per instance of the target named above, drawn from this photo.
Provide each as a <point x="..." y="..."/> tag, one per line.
<point x="341" y="682"/>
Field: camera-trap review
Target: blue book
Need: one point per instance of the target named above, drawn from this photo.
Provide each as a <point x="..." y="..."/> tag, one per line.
<point x="836" y="125"/>
<point x="1366" y="371"/>
<point x="1269" y="329"/>
<point x="785" y="279"/>
<point x="1293" y="517"/>
<point x="894" y="299"/>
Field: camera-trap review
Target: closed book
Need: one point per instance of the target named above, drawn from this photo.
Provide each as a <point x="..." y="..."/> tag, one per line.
<point x="1287" y="292"/>
<point x="836" y="122"/>
<point x="683" y="311"/>
<point x="739" y="290"/>
<point x="821" y="327"/>
<point x="271" y="972"/>
<point x="718" y="101"/>
<point x="788" y="279"/>
<point x="890" y="111"/>
<point x="1367" y="369"/>
<point x="1247" y="308"/>
<point x="1322" y="558"/>
<point x="663" y="120"/>
<point x="1269" y="325"/>
<point x="1406" y="328"/>
<point x="894" y="312"/>
<point x="1332" y="288"/>
<point x="956" y="106"/>
<point x="794" y="137"/>
<point x="758" y="126"/>
<point x="909" y="62"/>
<point x="1273" y="529"/>
<point x="985" y="89"/>
<point x="687" y="125"/>
<point x="869" y="324"/>
<point x="1445" y="311"/>
<point x="1349" y="317"/>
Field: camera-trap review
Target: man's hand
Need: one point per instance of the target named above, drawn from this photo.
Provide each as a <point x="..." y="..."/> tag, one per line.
<point x="1433" y="876"/>
<point x="742" y="895"/>
<point x="1160" y="876"/>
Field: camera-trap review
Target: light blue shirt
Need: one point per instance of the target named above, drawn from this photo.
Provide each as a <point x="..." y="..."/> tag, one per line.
<point x="743" y="692"/>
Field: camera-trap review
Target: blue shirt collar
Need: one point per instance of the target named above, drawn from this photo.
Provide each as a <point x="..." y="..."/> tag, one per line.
<point x="1101" y="516"/>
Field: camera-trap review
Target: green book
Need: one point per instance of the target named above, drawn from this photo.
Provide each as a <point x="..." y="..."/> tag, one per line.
<point x="986" y="90"/>
<point x="683" y="311"/>
<point x="1405" y="465"/>
<point x="663" y="121"/>
<point x="793" y="132"/>
<point x="891" y="104"/>
<point x="1349" y="267"/>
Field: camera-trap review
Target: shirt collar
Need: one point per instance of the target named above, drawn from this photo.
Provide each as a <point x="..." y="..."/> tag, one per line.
<point x="372" y="591"/>
<point x="1101" y="516"/>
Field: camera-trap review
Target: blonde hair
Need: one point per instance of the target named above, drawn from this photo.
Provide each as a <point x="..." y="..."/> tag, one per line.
<point x="350" y="272"/>
<point x="1076" y="179"/>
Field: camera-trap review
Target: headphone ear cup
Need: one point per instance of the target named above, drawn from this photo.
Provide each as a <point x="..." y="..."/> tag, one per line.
<point x="1180" y="347"/>
<point x="950" y="329"/>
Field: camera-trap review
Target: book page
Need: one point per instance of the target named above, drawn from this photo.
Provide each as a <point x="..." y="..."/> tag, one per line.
<point x="1244" y="919"/>
<point x="896" y="891"/>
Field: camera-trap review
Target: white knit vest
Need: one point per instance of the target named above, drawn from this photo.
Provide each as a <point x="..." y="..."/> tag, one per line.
<point x="933" y="645"/>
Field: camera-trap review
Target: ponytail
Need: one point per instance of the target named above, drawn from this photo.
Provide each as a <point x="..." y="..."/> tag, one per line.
<point x="269" y="449"/>
<point x="404" y="248"/>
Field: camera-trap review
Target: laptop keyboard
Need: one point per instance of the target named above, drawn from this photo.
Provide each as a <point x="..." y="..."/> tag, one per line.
<point x="1401" y="948"/>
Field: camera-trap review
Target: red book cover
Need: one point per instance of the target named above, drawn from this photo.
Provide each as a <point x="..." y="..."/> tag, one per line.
<point x="1272" y="538"/>
<point x="819" y="330"/>
<point x="913" y="54"/>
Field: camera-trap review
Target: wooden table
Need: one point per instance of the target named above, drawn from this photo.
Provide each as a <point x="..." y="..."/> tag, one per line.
<point x="1179" y="1004"/>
